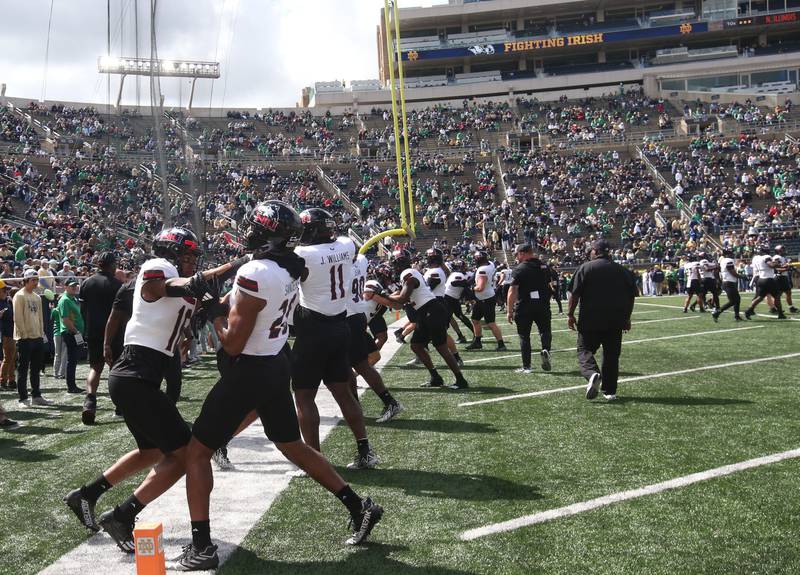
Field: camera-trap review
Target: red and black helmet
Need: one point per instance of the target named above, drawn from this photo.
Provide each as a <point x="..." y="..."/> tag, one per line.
<point x="318" y="226"/>
<point x="435" y="257"/>
<point x="400" y="260"/>
<point x="272" y="226"/>
<point x="174" y="243"/>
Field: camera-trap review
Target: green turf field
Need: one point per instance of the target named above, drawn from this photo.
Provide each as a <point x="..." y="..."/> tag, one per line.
<point x="446" y="468"/>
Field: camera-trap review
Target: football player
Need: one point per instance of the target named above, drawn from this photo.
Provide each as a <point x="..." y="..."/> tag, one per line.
<point x="784" y="280"/>
<point x="431" y="318"/>
<point x="694" y="284"/>
<point x="484" y="308"/>
<point x="254" y="375"/>
<point x="321" y="348"/>
<point x="166" y="293"/>
<point x="362" y="345"/>
<point x="453" y="292"/>
<point x="436" y="278"/>
<point x="730" y="283"/>
<point x="708" y="271"/>
<point x="765" y="281"/>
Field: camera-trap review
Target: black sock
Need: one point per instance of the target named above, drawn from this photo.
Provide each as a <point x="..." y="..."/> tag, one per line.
<point x="96" y="488"/>
<point x="387" y="398"/>
<point x="363" y="446"/>
<point x="457" y="356"/>
<point x="434" y="373"/>
<point x="478" y="338"/>
<point x="201" y="534"/>
<point x="128" y="510"/>
<point x="500" y="342"/>
<point x="350" y="499"/>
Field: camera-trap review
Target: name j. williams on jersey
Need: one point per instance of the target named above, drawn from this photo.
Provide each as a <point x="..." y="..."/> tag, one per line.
<point x="292" y="287"/>
<point x="335" y="258"/>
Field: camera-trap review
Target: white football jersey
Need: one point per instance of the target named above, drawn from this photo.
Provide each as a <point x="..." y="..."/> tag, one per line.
<point x="373" y="307"/>
<point x="266" y="280"/>
<point x="725" y="274"/>
<point x="781" y="261"/>
<point x="327" y="287"/>
<point x="508" y="277"/>
<point x="761" y="269"/>
<point x="486" y="271"/>
<point x="438" y="273"/>
<point x="158" y="325"/>
<point x="356" y="303"/>
<point x="706" y="273"/>
<point x="454" y="291"/>
<point x="422" y="294"/>
<point x="692" y="271"/>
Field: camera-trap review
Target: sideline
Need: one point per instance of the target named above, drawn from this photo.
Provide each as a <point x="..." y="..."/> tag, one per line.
<point x="240" y="498"/>
<point x="591" y="504"/>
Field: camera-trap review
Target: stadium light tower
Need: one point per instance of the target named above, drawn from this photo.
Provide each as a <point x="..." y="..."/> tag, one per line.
<point x="165" y="68"/>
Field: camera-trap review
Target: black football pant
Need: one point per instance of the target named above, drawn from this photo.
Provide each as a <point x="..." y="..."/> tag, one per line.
<point x="525" y="318"/>
<point x="30" y="356"/>
<point x="588" y="344"/>
<point x="734" y="299"/>
<point x="174" y="378"/>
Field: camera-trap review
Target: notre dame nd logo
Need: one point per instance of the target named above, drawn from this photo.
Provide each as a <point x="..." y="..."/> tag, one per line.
<point x="413" y="55"/>
<point x="146" y="546"/>
<point x="686" y="28"/>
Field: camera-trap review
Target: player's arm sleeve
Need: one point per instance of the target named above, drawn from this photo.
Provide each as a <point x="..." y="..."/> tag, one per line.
<point x="157" y="270"/>
<point x="433" y="281"/>
<point x="250" y="281"/>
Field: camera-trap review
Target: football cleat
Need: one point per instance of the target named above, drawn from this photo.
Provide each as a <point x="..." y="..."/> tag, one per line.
<point x="593" y="385"/>
<point x="461" y="339"/>
<point x="435" y="381"/>
<point x="460" y="383"/>
<point x="715" y="316"/>
<point x="192" y="559"/>
<point x="546" y="366"/>
<point x="610" y="396"/>
<point x="366" y="461"/>
<point x="390" y="412"/>
<point x="474" y="345"/>
<point x="415" y="362"/>
<point x="748" y="313"/>
<point x="220" y="458"/>
<point x="120" y="532"/>
<point x="398" y="336"/>
<point x="525" y="370"/>
<point x="501" y="347"/>
<point x="89" y="410"/>
<point x="363" y="524"/>
<point x="793" y="309"/>
<point x="83" y="509"/>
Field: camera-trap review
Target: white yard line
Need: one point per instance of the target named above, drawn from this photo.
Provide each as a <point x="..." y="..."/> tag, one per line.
<point x="681" y="308"/>
<point x="630" y="379"/>
<point x="591" y="504"/>
<point x="238" y="501"/>
<point x="630" y="342"/>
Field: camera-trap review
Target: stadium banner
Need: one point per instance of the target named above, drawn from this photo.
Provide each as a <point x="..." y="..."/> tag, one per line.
<point x="538" y="44"/>
<point x="764" y="20"/>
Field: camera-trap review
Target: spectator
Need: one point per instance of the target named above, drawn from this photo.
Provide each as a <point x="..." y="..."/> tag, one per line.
<point x="72" y="329"/>
<point x="29" y="337"/>
<point x="7" y="368"/>
<point x="59" y="357"/>
<point x="5" y="422"/>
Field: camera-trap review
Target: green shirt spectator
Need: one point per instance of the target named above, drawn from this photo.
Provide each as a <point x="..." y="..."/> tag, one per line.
<point x="68" y="308"/>
<point x="57" y="329"/>
<point x="20" y="255"/>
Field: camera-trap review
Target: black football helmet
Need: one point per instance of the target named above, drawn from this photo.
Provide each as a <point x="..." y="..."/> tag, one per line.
<point x="401" y="260"/>
<point x="318" y="226"/>
<point x="272" y="227"/>
<point x="173" y="244"/>
<point x="763" y="249"/>
<point x="384" y="275"/>
<point x="435" y="257"/>
<point x="480" y="258"/>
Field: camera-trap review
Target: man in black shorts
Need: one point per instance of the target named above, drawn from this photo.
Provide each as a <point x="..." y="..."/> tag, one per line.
<point x="254" y="375"/>
<point x="485" y="302"/>
<point x="321" y="348"/>
<point x="431" y="318"/>
<point x="529" y="303"/>
<point x="97" y="296"/>
<point x="165" y="297"/>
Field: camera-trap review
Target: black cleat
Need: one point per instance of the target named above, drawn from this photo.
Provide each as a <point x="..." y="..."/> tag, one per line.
<point x="773" y="310"/>
<point x="435" y="381"/>
<point x="474" y="345"/>
<point x="501" y="347"/>
<point x="738" y="318"/>
<point x="546" y="366"/>
<point x="715" y="317"/>
<point x="192" y="559"/>
<point x="782" y="316"/>
<point x="398" y="336"/>
<point x="461" y="339"/>
<point x="793" y="309"/>
<point x="83" y="509"/>
<point x="89" y="410"/>
<point x="120" y="532"/>
<point x="748" y="313"/>
<point x="363" y="524"/>
<point x="459" y="384"/>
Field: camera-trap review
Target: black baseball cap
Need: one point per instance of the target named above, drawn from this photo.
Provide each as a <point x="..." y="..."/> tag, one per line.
<point x="523" y="248"/>
<point x="72" y="282"/>
<point x="601" y="246"/>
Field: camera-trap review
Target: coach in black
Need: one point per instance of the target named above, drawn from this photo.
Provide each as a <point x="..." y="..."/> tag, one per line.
<point x="97" y="296"/>
<point x="605" y="291"/>
<point x="530" y="291"/>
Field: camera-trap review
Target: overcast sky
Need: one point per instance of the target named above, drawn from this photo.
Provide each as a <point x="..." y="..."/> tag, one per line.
<point x="268" y="49"/>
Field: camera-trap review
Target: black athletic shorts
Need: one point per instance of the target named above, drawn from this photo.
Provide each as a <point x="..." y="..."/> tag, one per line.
<point x="377" y="325"/>
<point x="767" y="286"/>
<point x="321" y="350"/>
<point x="484" y="310"/>
<point x="432" y="323"/>
<point x="361" y="344"/>
<point x="784" y="284"/>
<point x="695" y="287"/>
<point x="411" y="313"/>
<point x="709" y="285"/>
<point x="95" y="349"/>
<point x="453" y="306"/>
<point x="150" y="415"/>
<point x="249" y="382"/>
